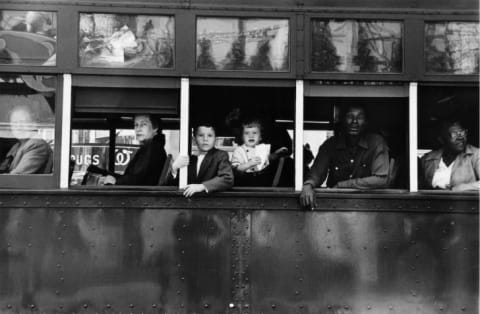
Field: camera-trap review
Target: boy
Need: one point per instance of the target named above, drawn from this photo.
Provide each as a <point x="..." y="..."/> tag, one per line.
<point x="208" y="172"/>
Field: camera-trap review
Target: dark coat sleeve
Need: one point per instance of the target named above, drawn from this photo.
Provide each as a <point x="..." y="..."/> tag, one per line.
<point x="223" y="178"/>
<point x="146" y="166"/>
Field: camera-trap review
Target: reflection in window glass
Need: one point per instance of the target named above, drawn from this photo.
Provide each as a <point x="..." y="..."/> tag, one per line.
<point x="242" y="44"/>
<point x="28" y="37"/>
<point x="126" y="41"/>
<point x="356" y="46"/>
<point x="452" y="47"/>
<point x="27" y="121"/>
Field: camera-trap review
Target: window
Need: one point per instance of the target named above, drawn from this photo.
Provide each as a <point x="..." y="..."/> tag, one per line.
<point x="267" y="111"/>
<point x="447" y="123"/>
<point x="356" y="46"/>
<point x="27" y="123"/>
<point x="452" y="47"/>
<point x="126" y="133"/>
<point x="28" y="37"/>
<point x="127" y="41"/>
<point x="251" y="44"/>
<point x="380" y="129"/>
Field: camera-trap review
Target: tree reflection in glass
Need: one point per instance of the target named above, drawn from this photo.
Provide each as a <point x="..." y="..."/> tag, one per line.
<point x="356" y="46"/>
<point x="452" y="47"/>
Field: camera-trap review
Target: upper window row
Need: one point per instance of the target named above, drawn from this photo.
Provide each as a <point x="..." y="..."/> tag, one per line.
<point x="237" y="44"/>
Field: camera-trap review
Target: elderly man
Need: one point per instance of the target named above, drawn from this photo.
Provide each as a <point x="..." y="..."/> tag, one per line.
<point x="455" y="166"/>
<point x="353" y="158"/>
<point x="31" y="154"/>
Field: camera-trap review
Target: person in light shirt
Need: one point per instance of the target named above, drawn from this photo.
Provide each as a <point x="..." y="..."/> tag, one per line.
<point x="455" y="166"/>
<point x="208" y="172"/>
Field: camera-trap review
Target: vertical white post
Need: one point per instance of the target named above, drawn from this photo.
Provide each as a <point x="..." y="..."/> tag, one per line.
<point x="412" y="135"/>
<point x="299" y="135"/>
<point x="184" y="128"/>
<point x="66" y="123"/>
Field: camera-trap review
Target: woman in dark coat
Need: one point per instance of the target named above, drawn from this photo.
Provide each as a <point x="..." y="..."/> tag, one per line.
<point x="147" y="164"/>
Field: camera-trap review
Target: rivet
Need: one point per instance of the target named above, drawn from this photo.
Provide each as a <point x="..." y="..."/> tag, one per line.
<point x="179" y="239"/>
<point x="206" y="305"/>
<point x="131" y="306"/>
<point x="130" y="244"/>
<point x="231" y="305"/>
<point x="346" y="307"/>
<point x="57" y="292"/>
<point x="32" y="306"/>
<point x="274" y="306"/>
<point x="9" y="306"/>
<point x="182" y="305"/>
<point x="329" y="306"/>
<point x="369" y="307"/>
<point x="154" y="305"/>
<point x="58" y="265"/>
<point x="85" y="306"/>
<point x="29" y="244"/>
<point x="59" y="238"/>
<point x="179" y="292"/>
<point x="63" y="252"/>
<point x="464" y="308"/>
<point x="109" y="306"/>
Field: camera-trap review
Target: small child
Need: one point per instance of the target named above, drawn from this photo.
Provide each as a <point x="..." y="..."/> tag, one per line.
<point x="253" y="163"/>
<point x="208" y="172"/>
<point x="252" y="156"/>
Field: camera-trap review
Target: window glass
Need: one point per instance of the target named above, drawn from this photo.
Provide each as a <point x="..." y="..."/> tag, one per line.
<point x="448" y="138"/>
<point x="28" y="37"/>
<point x="27" y="124"/>
<point x="254" y="126"/>
<point x="452" y="47"/>
<point x="126" y="41"/>
<point x="356" y="46"/>
<point x="242" y="44"/>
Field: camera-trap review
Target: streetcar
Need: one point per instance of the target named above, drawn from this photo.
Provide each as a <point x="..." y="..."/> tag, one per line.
<point x="87" y="67"/>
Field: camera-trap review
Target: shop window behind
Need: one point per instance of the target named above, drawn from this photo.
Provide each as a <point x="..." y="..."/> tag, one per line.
<point x="27" y="123"/>
<point x="243" y="44"/>
<point x="28" y="37"/>
<point x="356" y="46"/>
<point x="452" y="47"/>
<point x="127" y="41"/>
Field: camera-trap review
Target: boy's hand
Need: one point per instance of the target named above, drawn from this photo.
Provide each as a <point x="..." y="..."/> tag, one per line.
<point x="180" y="162"/>
<point x="193" y="188"/>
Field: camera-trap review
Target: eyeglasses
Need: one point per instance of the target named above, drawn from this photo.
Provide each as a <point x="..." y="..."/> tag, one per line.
<point x="458" y="133"/>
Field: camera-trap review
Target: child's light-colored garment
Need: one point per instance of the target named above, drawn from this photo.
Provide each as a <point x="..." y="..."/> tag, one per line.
<point x="244" y="154"/>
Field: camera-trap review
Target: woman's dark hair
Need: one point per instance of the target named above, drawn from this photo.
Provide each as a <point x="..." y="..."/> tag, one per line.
<point x="156" y="121"/>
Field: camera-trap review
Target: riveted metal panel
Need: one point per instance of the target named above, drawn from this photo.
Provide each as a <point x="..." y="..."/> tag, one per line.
<point x="245" y="252"/>
<point x="364" y="262"/>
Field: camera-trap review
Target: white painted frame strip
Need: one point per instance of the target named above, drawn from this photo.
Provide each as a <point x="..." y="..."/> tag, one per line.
<point x="299" y="92"/>
<point x="66" y="127"/>
<point x="413" y="135"/>
<point x="184" y="127"/>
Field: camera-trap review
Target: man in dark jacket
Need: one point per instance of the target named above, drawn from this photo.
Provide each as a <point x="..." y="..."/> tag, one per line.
<point x="353" y="158"/>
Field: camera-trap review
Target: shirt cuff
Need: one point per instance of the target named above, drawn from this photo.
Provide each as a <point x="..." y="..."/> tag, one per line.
<point x="310" y="182"/>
